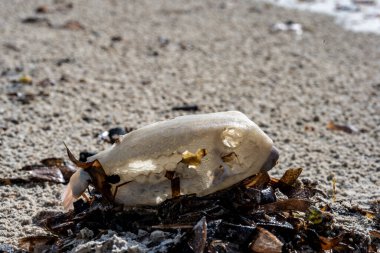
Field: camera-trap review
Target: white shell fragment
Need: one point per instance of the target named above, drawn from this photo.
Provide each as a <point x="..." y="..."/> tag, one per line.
<point x="288" y="26"/>
<point x="79" y="182"/>
<point x="208" y="152"/>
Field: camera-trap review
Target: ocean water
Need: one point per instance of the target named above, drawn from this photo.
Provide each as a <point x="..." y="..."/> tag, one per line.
<point x="355" y="15"/>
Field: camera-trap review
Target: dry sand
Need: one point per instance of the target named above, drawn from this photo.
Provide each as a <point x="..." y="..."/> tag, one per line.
<point x="218" y="55"/>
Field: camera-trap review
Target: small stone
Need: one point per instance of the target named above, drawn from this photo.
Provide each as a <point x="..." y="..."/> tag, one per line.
<point x="25" y="79"/>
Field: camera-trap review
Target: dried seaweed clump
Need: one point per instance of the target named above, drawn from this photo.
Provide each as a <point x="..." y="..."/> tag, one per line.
<point x="260" y="214"/>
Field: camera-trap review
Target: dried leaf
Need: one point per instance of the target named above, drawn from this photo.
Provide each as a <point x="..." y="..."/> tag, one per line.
<point x="73" y="25"/>
<point x="39" y="243"/>
<point x="330" y="243"/>
<point x="41" y="173"/>
<point x="198" y="242"/>
<point x="258" y="182"/>
<point x="53" y="161"/>
<point x="83" y="165"/>
<point x="225" y="210"/>
<point x="52" y="164"/>
<point x="66" y="169"/>
<point x="375" y="233"/>
<point x="301" y="205"/>
<point x="294" y="188"/>
<point x="50" y="174"/>
<point x="266" y="242"/>
<point x="345" y="128"/>
<point x="219" y="246"/>
<point x="193" y="160"/>
<point x="290" y="176"/>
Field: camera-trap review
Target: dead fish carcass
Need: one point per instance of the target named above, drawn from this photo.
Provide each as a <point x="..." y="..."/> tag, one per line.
<point x="194" y="154"/>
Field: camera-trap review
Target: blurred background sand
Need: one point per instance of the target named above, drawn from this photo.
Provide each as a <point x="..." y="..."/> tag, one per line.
<point x="127" y="63"/>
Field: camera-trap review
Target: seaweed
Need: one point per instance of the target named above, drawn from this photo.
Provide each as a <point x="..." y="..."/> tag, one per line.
<point x="259" y="214"/>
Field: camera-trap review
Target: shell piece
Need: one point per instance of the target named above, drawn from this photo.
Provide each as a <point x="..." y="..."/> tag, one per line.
<point x="224" y="148"/>
<point x="79" y="181"/>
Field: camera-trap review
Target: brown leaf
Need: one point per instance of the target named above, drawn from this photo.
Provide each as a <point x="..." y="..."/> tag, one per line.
<point x="301" y="205"/>
<point x="292" y="187"/>
<point x="50" y="174"/>
<point x="37" y="173"/>
<point x="345" y="128"/>
<point x="266" y="242"/>
<point x="53" y="161"/>
<point x="73" y="25"/>
<point x="219" y="246"/>
<point x="375" y="233"/>
<point x="38" y="243"/>
<point x="330" y="243"/>
<point x="55" y="222"/>
<point x="291" y="176"/>
<point x="50" y="170"/>
<point x="286" y="183"/>
<point x="66" y="169"/>
<point x="198" y="242"/>
<point x="78" y="163"/>
<point x="259" y="181"/>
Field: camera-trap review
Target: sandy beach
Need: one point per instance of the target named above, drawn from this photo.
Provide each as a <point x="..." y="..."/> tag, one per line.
<point x="94" y="65"/>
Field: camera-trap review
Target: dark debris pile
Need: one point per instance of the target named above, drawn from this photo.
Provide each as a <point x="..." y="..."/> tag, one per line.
<point x="260" y="214"/>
